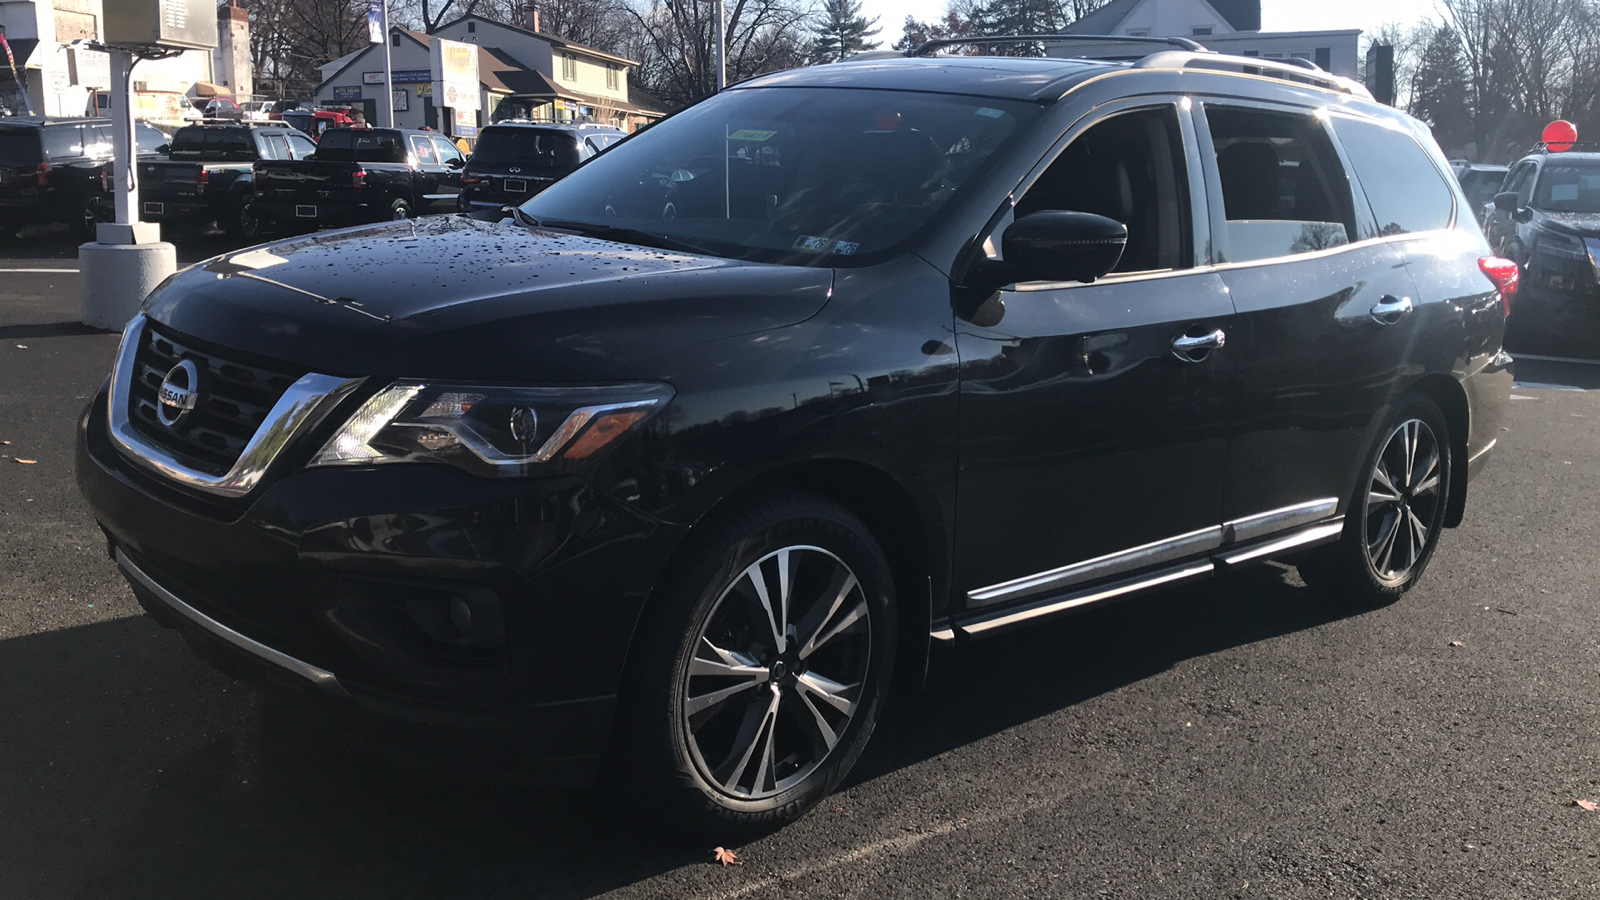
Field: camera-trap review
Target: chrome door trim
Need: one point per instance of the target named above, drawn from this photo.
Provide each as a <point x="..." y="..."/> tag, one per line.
<point x="320" y="677"/>
<point x="1280" y="519"/>
<point x="1152" y="554"/>
<point x="1004" y="619"/>
<point x="304" y="404"/>
<point x="1309" y="536"/>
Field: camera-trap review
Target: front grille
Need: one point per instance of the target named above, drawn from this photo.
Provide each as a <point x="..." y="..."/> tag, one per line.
<point x="235" y="398"/>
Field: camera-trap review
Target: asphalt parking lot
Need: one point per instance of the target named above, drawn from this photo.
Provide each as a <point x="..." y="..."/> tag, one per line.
<point x="1246" y="738"/>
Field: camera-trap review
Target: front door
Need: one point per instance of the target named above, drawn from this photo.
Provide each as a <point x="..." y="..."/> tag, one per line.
<point x="427" y="177"/>
<point x="1093" y="415"/>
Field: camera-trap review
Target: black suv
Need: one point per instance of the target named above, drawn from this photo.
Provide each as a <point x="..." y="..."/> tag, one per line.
<point x="967" y="344"/>
<point x="512" y="161"/>
<point x="59" y="170"/>
<point x="1548" y="221"/>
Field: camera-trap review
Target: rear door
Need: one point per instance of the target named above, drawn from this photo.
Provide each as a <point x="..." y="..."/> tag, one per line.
<point x="449" y="156"/>
<point x="1326" y="313"/>
<point x="428" y="176"/>
<point x="1092" y="442"/>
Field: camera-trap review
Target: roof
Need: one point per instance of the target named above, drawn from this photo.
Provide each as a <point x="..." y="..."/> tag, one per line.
<point x="1008" y="77"/>
<point x="547" y="38"/>
<point x="32" y="121"/>
<point x="502" y="73"/>
<point x="1103" y="20"/>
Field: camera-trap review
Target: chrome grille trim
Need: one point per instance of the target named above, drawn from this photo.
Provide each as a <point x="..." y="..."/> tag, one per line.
<point x="304" y="404"/>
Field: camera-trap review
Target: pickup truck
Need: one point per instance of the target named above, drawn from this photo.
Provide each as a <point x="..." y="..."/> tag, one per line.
<point x="207" y="176"/>
<point x="361" y="175"/>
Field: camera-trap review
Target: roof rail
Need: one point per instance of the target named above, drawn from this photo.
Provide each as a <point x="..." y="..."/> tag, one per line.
<point x="931" y="46"/>
<point x="1574" y="147"/>
<point x="1296" y="71"/>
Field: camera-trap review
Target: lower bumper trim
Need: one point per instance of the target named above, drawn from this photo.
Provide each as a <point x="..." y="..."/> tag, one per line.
<point x="322" y="678"/>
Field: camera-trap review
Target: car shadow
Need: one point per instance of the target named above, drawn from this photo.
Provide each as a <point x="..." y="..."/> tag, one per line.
<point x="47" y="330"/>
<point x="133" y="770"/>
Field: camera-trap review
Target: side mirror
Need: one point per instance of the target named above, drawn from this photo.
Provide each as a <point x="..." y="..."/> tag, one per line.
<point x="1524" y="214"/>
<point x="1062" y="246"/>
<point x="455" y="162"/>
<point x="1507" y="201"/>
<point x="164" y="149"/>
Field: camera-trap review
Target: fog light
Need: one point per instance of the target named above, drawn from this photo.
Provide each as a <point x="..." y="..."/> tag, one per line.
<point x="461" y="615"/>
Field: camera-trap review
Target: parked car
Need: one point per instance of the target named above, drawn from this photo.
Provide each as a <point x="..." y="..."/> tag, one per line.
<point x="59" y="170"/>
<point x="315" y="122"/>
<point x="1480" y="183"/>
<point x="965" y="347"/>
<point x="1548" y="221"/>
<point x="208" y="176"/>
<point x="258" y="110"/>
<point x="361" y="175"/>
<point x="514" y="160"/>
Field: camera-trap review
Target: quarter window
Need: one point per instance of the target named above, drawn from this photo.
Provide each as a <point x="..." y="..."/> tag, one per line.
<point x="423" y="148"/>
<point x="1283" y="190"/>
<point x="1128" y="168"/>
<point x="1407" y="191"/>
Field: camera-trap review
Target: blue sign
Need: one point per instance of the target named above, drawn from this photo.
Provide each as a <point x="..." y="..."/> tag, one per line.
<point x="411" y="76"/>
<point x="377" y="18"/>
<point x="347" y="93"/>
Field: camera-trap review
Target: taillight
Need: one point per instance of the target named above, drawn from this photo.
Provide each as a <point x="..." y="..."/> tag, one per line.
<point x="1506" y="276"/>
<point x="43" y="171"/>
<point x="473" y="179"/>
<point x="201" y="178"/>
<point x="358" y="178"/>
<point x="108" y="181"/>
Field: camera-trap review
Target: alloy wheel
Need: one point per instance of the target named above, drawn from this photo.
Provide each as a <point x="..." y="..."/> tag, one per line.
<point x="1403" y="501"/>
<point x="777" y="673"/>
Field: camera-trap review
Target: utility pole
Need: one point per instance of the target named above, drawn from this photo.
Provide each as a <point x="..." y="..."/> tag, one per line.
<point x="722" y="44"/>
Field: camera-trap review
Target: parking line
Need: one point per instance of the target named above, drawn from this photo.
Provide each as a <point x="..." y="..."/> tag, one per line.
<point x="1559" y="359"/>
<point x="44" y="271"/>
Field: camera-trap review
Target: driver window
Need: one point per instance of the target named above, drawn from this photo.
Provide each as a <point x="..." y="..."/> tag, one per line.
<point x="1129" y="168"/>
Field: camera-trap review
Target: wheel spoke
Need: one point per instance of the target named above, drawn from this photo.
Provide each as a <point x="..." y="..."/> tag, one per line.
<point x="1381" y="479"/>
<point x="858" y="614"/>
<point x="1385" y="550"/>
<point x="749" y="738"/>
<point x="785" y="582"/>
<point x="758" y="580"/>
<point x="811" y="626"/>
<point x="1428" y="482"/>
<point x="1419" y="535"/>
<point x="1408" y="438"/>
<point x="816" y="722"/>
<point x="839" y="696"/>
<point x="696" y="705"/>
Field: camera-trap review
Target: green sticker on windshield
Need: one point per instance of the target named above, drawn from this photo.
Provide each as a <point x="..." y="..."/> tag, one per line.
<point x="750" y="134"/>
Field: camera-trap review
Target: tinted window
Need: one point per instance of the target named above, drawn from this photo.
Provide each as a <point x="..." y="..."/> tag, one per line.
<point x="809" y="176"/>
<point x="527" y="146"/>
<point x="1407" y="192"/>
<point x="1283" y="190"/>
<point x="1480" y="185"/>
<point x="202" y="142"/>
<point x="361" y="145"/>
<point x="447" y="151"/>
<point x="149" y="138"/>
<point x="1569" y="185"/>
<point x="1521" y="181"/>
<point x="20" y="144"/>
<point x="97" y="140"/>
<point x="301" y="147"/>
<point x="1128" y="168"/>
<point x="423" y="148"/>
<point x="63" y="141"/>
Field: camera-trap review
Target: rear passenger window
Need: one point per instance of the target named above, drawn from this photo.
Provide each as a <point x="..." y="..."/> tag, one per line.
<point x="1283" y="190"/>
<point x="1128" y="167"/>
<point x="423" y="148"/>
<point x="1407" y="191"/>
<point x="62" y="141"/>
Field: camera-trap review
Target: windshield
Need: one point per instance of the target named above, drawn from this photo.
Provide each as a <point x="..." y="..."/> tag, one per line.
<point x="532" y="146"/>
<point x="1569" y="186"/>
<point x="814" y="176"/>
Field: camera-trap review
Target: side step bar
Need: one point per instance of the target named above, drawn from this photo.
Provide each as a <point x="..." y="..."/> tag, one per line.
<point x="989" y="622"/>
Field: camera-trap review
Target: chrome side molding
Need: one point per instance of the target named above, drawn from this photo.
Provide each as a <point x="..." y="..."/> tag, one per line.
<point x="322" y="678"/>
<point x="1005" y="619"/>
<point x="301" y="406"/>
<point x="1281" y="519"/>
<point x="1100" y="567"/>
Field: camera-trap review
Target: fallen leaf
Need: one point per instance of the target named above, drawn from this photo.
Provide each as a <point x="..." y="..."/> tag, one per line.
<point x="22" y="346"/>
<point x="726" y="857"/>
<point x="1586" y="805"/>
<point x="1457" y="644"/>
<point x="27" y="462"/>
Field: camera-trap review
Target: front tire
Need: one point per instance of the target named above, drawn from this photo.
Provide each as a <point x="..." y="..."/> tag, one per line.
<point x="1396" y="514"/>
<point x="769" y="657"/>
<point x="242" y="223"/>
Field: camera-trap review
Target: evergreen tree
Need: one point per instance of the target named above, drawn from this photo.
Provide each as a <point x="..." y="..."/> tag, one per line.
<point x="1000" y="17"/>
<point x="842" y="31"/>
<point x="1443" y="97"/>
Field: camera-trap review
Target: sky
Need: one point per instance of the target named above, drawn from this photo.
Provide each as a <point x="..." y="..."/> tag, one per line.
<point x="1276" y="15"/>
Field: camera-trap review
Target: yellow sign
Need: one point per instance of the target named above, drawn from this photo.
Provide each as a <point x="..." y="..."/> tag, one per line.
<point x="424" y="90"/>
<point x="561" y="105"/>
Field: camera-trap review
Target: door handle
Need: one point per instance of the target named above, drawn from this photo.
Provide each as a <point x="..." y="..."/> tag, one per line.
<point x="1389" y="310"/>
<point x="1196" y="349"/>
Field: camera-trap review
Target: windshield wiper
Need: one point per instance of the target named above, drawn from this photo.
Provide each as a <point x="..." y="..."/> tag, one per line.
<point x="522" y="217"/>
<point x="632" y="236"/>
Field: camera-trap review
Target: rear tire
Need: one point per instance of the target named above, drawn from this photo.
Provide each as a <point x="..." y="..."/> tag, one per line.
<point x="1395" y="515"/>
<point x="766" y="659"/>
<point x="91" y="212"/>
<point x="242" y="224"/>
<point x="399" y="210"/>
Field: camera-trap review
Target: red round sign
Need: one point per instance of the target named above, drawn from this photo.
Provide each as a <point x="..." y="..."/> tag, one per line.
<point x="1560" y="135"/>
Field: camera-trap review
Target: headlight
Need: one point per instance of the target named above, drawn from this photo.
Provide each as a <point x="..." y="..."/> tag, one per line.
<point x="497" y="431"/>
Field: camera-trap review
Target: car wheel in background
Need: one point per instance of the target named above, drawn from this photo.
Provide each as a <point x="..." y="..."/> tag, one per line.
<point x="399" y="209"/>
<point x="91" y="212"/>
<point x="1394" y="518"/>
<point x="242" y="224"/>
<point x="763" y="666"/>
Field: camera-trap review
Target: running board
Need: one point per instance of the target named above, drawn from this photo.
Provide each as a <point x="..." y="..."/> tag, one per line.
<point x="1000" y="620"/>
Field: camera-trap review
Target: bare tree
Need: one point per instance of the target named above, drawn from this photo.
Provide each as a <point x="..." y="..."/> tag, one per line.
<point x="675" y="43"/>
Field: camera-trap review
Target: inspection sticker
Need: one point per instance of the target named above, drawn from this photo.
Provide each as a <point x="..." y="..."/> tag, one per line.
<point x="750" y="134"/>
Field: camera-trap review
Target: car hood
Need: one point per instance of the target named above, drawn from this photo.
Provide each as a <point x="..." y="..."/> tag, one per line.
<point x="455" y="297"/>
<point x="1582" y="224"/>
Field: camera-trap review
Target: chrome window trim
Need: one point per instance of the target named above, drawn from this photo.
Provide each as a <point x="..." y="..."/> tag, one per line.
<point x="1150" y="554"/>
<point x="304" y="404"/>
<point x="320" y="677"/>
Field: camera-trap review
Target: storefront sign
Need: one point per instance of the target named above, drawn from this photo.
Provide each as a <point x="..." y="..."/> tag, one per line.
<point x="411" y="76"/>
<point x="455" y="74"/>
<point x="352" y="92"/>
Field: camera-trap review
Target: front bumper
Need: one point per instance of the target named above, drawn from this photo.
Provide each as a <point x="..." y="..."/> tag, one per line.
<point x="325" y="582"/>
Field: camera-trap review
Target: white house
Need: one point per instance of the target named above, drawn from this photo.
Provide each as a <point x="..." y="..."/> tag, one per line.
<point x="1226" y="26"/>
<point x="60" y="79"/>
